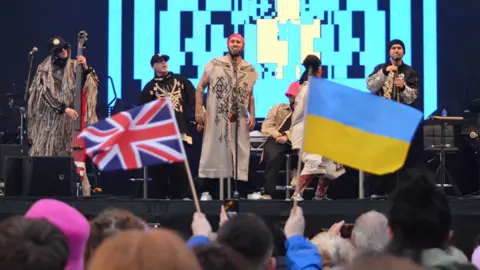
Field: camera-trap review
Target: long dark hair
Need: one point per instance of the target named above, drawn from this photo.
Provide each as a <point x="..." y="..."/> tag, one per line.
<point x="311" y="64"/>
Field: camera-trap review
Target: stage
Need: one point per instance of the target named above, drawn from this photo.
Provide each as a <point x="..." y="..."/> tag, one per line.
<point x="318" y="214"/>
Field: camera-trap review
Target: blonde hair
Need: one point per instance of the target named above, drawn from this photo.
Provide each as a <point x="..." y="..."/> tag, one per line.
<point x="334" y="250"/>
<point x="156" y="249"/>
<point x="108" y="223"/>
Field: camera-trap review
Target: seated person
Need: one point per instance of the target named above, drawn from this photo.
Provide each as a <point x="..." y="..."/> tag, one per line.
<point x="276" y="126"/>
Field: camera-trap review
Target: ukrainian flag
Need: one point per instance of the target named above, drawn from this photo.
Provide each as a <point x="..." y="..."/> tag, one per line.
<point x="358" y="129"/>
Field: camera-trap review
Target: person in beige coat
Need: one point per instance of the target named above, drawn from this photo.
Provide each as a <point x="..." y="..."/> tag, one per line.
<point x="276" y="127"/>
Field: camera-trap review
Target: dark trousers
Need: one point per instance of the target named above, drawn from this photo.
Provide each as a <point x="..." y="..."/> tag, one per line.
<point x="380" y="184"/>
<point x="169" y="181"/>
<point x="274" y="158"/>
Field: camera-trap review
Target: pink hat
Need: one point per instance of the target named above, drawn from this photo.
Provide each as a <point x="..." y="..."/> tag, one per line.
<point x="476" y="257"/>
<point x="71" y="222"/>
<point x="293" y="89"/>
<point x="236" y="36"/>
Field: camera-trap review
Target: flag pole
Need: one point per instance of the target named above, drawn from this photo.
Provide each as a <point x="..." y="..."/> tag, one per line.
<point x="192" y="185"/>
<point x="145" y="182"/>
<point x="300" y="152"/>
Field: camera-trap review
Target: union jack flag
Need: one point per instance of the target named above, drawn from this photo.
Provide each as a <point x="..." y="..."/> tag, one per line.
<point x="142" y="136"/>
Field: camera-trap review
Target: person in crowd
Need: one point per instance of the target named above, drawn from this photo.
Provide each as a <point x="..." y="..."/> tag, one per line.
<point x="219" y="257"/>
<point x="476" y="257"/>
<point x="420" y="223"/>
<point x="248" y="235"/>
<point x="383" y="263"/>
<point x="109" y="223"/>
<point x="159" y="249"/>
<point x="334" y="250"/>
<point x="32" y="244"/>
<point x="72" y="223"/>
<point x="370" y="234"/>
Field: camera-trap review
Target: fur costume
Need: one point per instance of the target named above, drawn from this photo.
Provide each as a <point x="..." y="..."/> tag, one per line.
<point x="51" y="92"/>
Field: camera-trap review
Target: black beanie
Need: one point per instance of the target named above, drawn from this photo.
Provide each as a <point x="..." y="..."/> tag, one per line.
<point x="396" y="41"/>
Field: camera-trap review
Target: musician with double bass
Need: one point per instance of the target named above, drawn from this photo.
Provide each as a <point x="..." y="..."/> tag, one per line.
<point x="51" y="113"/>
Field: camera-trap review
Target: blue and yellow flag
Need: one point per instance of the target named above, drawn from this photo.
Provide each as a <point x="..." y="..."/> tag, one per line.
<point x="358" y="129"/>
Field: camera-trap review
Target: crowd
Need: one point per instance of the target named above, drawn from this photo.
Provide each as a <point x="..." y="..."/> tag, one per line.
<point x="415" y="234"/>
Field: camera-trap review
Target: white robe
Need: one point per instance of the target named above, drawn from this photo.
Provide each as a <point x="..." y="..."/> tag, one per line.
<point x="218" y="148"/>
<point x="313" y="163"/>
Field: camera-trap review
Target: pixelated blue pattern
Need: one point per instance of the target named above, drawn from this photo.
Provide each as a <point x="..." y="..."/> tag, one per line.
<point x="337" y="44"/>
<point x="143" y="40"/>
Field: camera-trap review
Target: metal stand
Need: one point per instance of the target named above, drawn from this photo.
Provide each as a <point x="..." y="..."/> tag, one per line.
<point x="236" y="195"/>
<point x="442" y="170"/>
<point x="145" y="182"/>
<point x="25" y="97"/>
<point x="229" y="188"/>
<point x="236" y="112"/>
<point x="361" y="190"/>
<point x="27" y="85"/>
<point x="222" y="195"/>
<point x="288" y="169"/>
<point x="11" y="104"/>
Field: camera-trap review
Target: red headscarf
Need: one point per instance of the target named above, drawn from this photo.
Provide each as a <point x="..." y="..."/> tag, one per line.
<point x="236" y="36"/>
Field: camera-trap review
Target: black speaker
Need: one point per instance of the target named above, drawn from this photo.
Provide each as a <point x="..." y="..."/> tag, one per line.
<point x="10" y="150"/>
<point x="49" y="176"/>
<point x="13" y="176"/>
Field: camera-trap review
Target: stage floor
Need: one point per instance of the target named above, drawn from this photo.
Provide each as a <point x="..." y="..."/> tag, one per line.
<point x="319" y="214"/>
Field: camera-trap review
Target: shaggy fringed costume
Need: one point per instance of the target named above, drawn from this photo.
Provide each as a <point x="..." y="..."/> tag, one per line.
<point x="51" y="92"/>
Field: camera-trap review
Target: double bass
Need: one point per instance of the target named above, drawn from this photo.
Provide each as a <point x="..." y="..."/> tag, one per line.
<point x="78" y="145"/>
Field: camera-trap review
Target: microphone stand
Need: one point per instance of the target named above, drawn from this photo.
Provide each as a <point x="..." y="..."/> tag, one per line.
<point x="27" y="86"/>
<point x="236" y="118"/>
<point x="236" y="194"/>
<point x="25" y="98"/>
<point x="396" y="96"/>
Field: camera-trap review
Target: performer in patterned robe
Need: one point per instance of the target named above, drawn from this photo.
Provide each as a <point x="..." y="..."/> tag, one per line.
<point x="51" y="96"/>
<point x="230" y="81"/>
<point x="399" y="82"/>
<point x="171" y="180"/>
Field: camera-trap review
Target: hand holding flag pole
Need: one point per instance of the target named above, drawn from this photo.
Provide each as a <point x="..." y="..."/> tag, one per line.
<point x="143" y="136"/>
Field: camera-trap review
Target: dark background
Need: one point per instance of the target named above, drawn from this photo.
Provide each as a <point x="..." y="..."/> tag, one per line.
<point x="28" y="23"/>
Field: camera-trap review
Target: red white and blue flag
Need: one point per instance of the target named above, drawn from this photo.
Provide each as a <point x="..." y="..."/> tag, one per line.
<point x="146" y="135"/>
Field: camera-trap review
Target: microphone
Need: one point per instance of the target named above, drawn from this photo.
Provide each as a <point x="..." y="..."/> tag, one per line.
<point x="33" y="51"/>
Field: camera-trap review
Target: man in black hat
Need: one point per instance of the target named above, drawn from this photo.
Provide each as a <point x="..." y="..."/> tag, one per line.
<point x="50" y="114"/>
<point x="394" y="80"/>
<point x="397" y="81"/>
<point x="171" y="180"/>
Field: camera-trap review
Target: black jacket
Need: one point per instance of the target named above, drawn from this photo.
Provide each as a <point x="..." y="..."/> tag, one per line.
<point x="182" y="94"/>
<point x="378" y="84"/>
